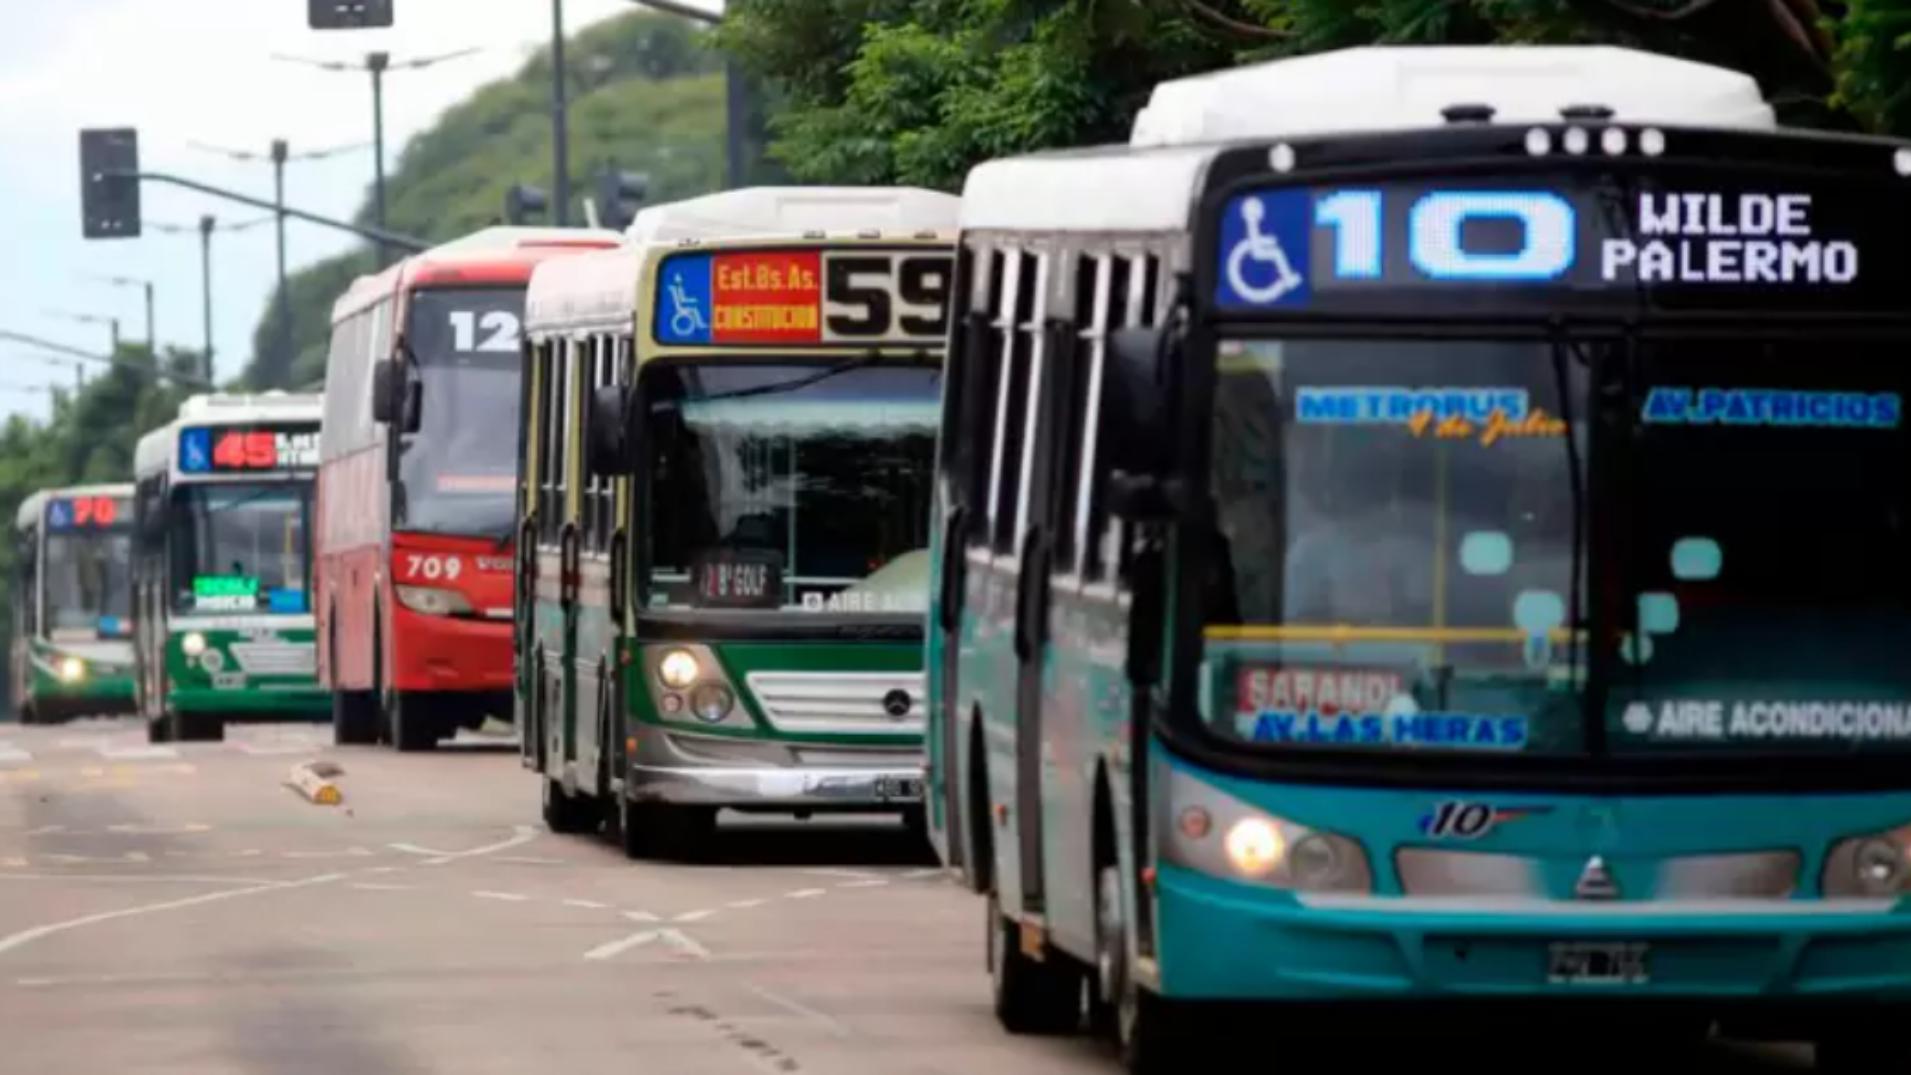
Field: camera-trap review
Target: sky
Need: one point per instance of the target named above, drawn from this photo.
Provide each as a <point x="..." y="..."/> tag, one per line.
<point x="202" y="71"/>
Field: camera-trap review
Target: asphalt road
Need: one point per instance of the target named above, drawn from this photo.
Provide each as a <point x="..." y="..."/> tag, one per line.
<point x="178" y="910"/>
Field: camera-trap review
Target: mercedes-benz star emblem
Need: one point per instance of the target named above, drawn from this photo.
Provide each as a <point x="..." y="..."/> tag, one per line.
<point x="897" y="703"/>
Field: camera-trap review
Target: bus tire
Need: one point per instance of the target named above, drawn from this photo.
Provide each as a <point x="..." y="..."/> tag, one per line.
<point x="160" y="730"/>
<point x="414" y="731"/>
<point x="1031" y="996"/>
<point x="354" y="718"/>
<point x="197" y="727"/>
<point x="1152" y="1035"/>
<point x="666" y="830"/>
<point x="1844" y="1054"/>
<point x="569" y="814"/>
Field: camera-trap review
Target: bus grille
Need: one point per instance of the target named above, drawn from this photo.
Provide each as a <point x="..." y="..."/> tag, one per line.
<point x="276" y="658"/>
<point x="839" y="702"/>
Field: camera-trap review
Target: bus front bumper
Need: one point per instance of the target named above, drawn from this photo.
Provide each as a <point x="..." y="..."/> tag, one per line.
<point x="1225" y="941"/>
<point x="705" y="771"/>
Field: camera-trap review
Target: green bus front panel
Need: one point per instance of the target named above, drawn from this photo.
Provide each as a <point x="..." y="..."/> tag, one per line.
<point x="92" y="685"/>
<point x="269" y="673"/>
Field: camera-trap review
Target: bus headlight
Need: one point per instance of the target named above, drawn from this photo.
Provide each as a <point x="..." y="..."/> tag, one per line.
<point x="712" y="702"/>
<point x="1869" y="866"/>
<point x="1219" y="835"/>
<point x="431" y="600"/>
<point x="678" y="669"/>
<point x="72" y="670"/>
<point x="193" y="644"/>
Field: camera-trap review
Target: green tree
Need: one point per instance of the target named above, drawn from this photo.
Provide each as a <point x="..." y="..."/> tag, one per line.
<point x="919" y="91"/>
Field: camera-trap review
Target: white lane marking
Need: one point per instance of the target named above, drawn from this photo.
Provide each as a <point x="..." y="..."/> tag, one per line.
<point x="873" y="882"/>
<point x="640" y="916"/>
<point x="22" y="938"/>
<point x="588" y="905"/>
<point x="378" y="886"/>
<point x="803" y="894"/>
<point x="186" y="829"/>
<point x="528" y="860"/>
<point x="693" y="916"/>
<point x="933" y="871"/>
<point x="337" y="853"/>
<point x="137" y="753"/>
<point x="82" y="742"/>
<point x="13" y="864"/>
<point x="10" y="754"/>
<point x="669" y="937"/>
<point x="133" y="878"/>
<point x="46" y="830"/>
<point x="380" y="869"/>
<point x="522" y="835"/>
<point x="828" y="1023"/>
<point x="744" y="905"/>
<point x="508" y="897"/>
<point x="832" y="871"/>
<point x="130" y="856"/>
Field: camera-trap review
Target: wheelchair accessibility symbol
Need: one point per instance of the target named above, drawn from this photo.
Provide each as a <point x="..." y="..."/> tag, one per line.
<point x="1264" y="238"/>
<point x="686" y="317"/>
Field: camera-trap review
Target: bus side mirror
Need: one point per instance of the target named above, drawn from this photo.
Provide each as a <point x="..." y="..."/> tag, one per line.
<point x="612" y="451"/>
<point x="384" y="391"/>
<point x="1137" y="434"/>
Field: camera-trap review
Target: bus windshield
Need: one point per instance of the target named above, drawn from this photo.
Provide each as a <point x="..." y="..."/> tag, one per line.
<point x="1396" y="547"/>
<point x="456" y="472"/>
<point x="243" y="547"/>
<point x="794" y="486"/>
<point x="1768" y="521"/>
<point x="88" y="588"/>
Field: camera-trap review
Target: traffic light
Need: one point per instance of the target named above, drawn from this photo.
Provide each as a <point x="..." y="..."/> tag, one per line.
<point x="348" y="14"/>
<point x="522" y="202"/>
<point x="109" y="183"/>
<point x="618" y="196"/>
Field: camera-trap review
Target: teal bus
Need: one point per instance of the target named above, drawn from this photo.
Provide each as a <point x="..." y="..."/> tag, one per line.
<point x="72" y="650"/>
<point x="722" y="558"/>
<point x="222" y="566"/>
<point x="1426" y="526"/>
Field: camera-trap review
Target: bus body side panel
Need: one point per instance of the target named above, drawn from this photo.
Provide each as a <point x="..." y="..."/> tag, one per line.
<point x="941" y="741"/>
<point x="1223" y="938"/>
<point x="549" y="654"/>
<point x="349" y="566"/>
<point x="986" y="671"/>
<point x="594" y="669"/>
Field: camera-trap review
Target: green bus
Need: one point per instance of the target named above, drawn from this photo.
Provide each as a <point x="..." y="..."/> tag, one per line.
<point x="723" y="503"/>
<point x="72" y="651"/>
<point x="1424" y="536"/>
<point x="222" y="566"/>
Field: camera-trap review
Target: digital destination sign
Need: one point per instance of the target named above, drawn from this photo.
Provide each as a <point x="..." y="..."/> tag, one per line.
<point x="1678" y="238"/>
<point x="799" y="296"/>
<point x="80" y="513"/>
<point x="249" y="449"/>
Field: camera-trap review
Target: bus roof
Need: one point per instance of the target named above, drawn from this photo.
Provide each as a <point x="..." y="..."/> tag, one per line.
<point x="154" y="452"/>
<point x="498" y="255"/>
<point x="1147" y="185"/>
<point x="584" y="293"/>
<point x="797" y="212"/>
<point x="32" y="506"/>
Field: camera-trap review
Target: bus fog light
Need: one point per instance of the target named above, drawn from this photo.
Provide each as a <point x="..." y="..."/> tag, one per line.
<point x="193" y="644"/>
<point x="1196" y="823"/>
<point x="678" y="669"/>
<point x="712" y="702"/>
<point x="212" y="661"/>
<point x="673" y="703"/>
<point x="72" y="670"/>
<point x="1879" y="866"/>
<point x="1255" y="846"/>
<point x="1315" y="861"/>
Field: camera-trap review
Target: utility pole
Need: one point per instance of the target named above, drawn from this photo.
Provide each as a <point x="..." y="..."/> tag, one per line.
<point x="561" y="124"/>
<point x="146" y="286"/>
<point x="207" y="225"/>
<point x="279" y="154"/>
<point x="376" y="63"/>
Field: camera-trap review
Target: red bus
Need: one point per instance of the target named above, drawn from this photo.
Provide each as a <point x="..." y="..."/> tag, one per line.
<point x="416" y="502"/>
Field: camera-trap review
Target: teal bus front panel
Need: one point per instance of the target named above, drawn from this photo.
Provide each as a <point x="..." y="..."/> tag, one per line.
<point x="1224" y="938"/>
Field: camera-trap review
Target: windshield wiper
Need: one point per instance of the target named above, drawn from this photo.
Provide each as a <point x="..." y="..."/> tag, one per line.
<point x="863" y="361"/>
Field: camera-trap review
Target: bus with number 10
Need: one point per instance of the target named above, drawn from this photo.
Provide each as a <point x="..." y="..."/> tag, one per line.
<point x="725" y="473"/>
<point x="1427" y="529"/>
<point x="72" y="651"/>
<point x="415" y="504"/>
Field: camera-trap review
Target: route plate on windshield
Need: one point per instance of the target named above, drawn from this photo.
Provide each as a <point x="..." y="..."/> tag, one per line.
<point x="1597" y="963"/>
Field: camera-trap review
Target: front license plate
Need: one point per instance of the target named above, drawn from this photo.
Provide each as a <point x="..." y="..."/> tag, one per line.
<point x="1597" y="963"/>
<point x="898" y="787"/>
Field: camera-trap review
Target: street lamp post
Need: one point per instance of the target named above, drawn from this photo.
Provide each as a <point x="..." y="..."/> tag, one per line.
<point x="560" y="122"/>
<point x="279" y="155"/>
<point x="152" y="346"/>
<point x="207" y="225"/>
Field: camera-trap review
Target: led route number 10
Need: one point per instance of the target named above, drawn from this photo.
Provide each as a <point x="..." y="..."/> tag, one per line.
<point x="1261" y="272"/>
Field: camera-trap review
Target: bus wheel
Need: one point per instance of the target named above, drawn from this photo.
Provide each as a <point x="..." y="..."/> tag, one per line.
<point x="1860" y="1053"/>
<point x="354" y="718"/>
<point x="567" y="813"/>
<point x="414" y="731"/>
<point x="666" y="830"/>
<point x="160" y="730"/>
<point x="1031" y="996"/>
<point x="198" y="727"/>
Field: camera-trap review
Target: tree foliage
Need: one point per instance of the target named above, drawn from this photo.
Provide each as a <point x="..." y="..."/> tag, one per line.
<point x="644" y="96"/>
<point x="918" y="91"/>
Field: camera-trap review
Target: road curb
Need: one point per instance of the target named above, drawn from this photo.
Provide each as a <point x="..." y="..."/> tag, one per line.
<point x="313" y="781"/>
